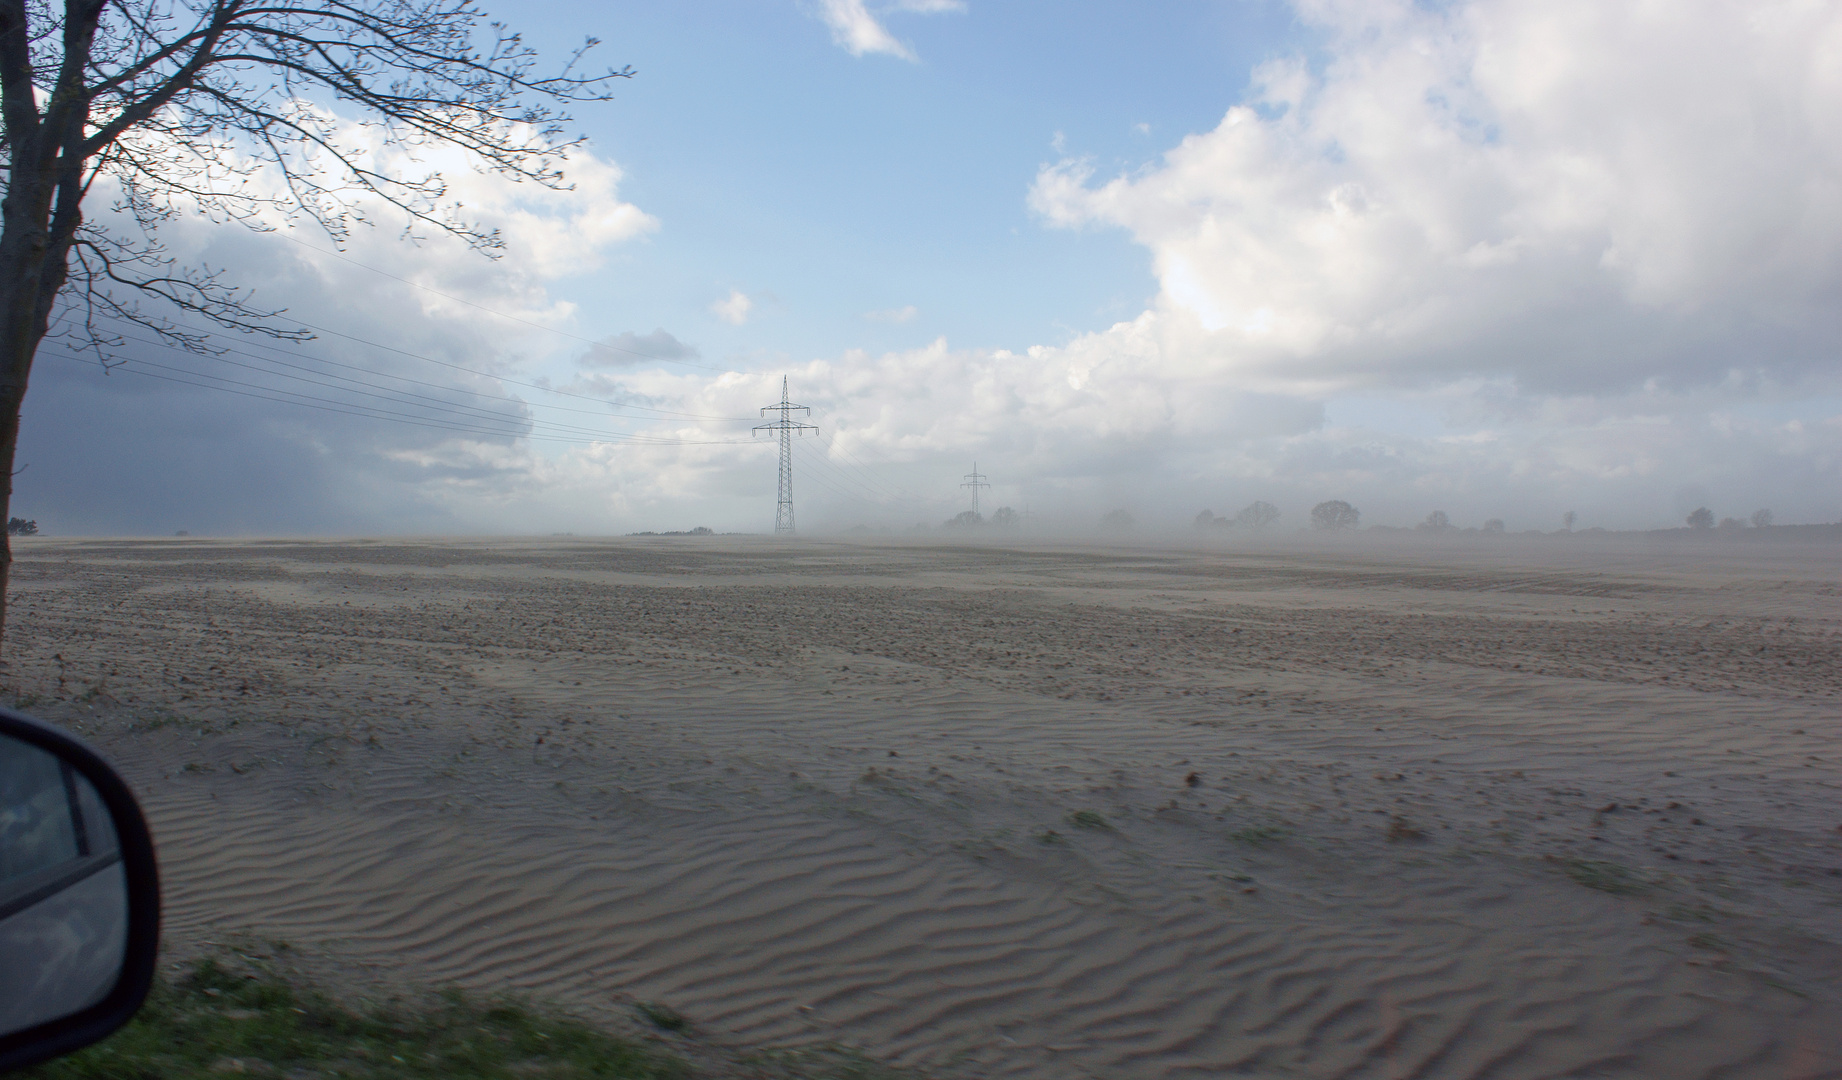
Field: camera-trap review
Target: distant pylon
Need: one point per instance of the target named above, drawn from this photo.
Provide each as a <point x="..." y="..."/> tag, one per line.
<point x="787" y="427"/>
<point x="975" y="480"/>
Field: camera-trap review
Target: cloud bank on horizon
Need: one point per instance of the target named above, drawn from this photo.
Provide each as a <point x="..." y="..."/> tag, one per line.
<point x="1502" y="258"/>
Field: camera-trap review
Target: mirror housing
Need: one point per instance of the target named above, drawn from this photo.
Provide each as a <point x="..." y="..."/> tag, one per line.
<point x="83" y="882"/>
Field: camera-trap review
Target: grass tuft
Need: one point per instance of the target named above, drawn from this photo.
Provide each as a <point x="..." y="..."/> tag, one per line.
<point x="662" y="1016"/>
<point x="1087" y="819"/>
<point x="1607" y="877"/>
<point x="1258" y="835"/>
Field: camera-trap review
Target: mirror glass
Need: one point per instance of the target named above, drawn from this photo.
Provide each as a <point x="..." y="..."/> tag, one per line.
<point x="63" y="892"/>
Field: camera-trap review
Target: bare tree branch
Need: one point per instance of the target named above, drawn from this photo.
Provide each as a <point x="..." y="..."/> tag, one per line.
<point x="240" y="110"/>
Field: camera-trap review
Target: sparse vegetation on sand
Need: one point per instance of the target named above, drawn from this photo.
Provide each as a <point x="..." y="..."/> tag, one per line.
<point x="1609" y="877"/>
<point x="221" y="1020"/>
<point x="1087" y="819"/>
<point x="214" y="1021"/>
<point x="226" y="1017"/>
<point x="663" y="1017"/>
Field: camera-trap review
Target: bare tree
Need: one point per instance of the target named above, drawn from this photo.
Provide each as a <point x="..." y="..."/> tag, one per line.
<point x="1437" y="521"/>
<point x="235" y="109"/>
<point x="1257" y="515"/>
<point x="1761" y="519"/>
<point x="1701" y="518"/>
<point x="1494" y="525"/>
<point x="1004" y="518"/>
<point x="1335" y="516"/>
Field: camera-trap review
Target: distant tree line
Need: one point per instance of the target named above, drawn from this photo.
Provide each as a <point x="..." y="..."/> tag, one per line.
<point x="1702" y="519"/>
<point x="1001" y="518"/>
<point x="1257" y="516"/>
<point x="16" y="526"/>
<point x="1336" y="515"/>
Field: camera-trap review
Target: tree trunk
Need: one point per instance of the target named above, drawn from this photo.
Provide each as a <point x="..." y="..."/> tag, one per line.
<point x="10" y="399"/>
<point x="40" y="214"/>
<point x="26" y="251"/>
<point x="18" y="345"/>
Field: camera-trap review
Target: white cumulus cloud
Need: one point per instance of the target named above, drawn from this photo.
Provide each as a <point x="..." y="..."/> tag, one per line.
<point x="734" y="308"/>
<point x="857" y="30"/>
<point x="1571" y="194"/>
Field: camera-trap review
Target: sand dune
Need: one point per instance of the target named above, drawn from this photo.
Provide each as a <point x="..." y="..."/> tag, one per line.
<point x="1490" y="811"/>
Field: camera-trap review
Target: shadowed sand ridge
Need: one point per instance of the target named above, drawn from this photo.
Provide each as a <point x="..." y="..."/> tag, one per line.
<point x="1006" y="812"/>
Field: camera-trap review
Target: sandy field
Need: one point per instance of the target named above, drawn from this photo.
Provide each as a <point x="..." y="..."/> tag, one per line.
<point x="1512" y="809"/>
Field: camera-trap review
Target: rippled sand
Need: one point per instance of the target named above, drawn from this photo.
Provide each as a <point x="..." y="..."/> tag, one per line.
<point x="1514" y="810"/>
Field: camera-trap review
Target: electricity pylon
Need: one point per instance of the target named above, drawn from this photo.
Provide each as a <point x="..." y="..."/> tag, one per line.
<point x="975" y="480"/>
<point x="787" y="427"/>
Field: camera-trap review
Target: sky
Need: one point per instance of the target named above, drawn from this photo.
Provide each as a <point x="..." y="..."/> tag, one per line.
<point x="1503" y="259"/>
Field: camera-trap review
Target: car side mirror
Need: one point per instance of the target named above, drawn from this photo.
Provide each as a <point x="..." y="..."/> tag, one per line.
<point x="79" y="895"/>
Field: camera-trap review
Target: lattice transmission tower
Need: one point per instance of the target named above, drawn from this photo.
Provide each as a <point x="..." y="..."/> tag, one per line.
<point x="788" y="428"/>
<point x="975" y="480"/>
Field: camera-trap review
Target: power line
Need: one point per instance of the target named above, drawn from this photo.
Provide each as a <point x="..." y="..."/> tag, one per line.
<point x="470" y="412"/>
<point x="850" y="462"/>
<point x="490" y="311"/>
<point x="869" y="478"/>
<point x="467" y="413"/>
<point x="288" y="398"/>
<point x="856" y="464"/>
<point x="844" y="482"/>
<point x="473" y="416"/>
<point x="825" y="466"/>
<point x="841" y="493"/>
<point x="441" y="363"/>
<point x="307" y="401"/>
<point x="454" y="388"/>
<point x="515" y="382"/>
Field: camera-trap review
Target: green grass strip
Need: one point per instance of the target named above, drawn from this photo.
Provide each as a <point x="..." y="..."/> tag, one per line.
<point x="213" y="1023"/>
